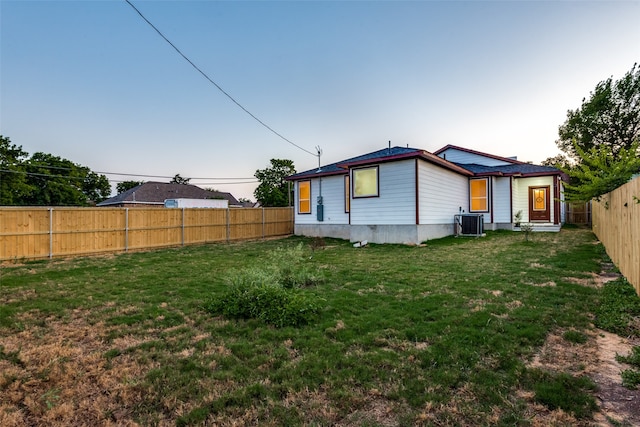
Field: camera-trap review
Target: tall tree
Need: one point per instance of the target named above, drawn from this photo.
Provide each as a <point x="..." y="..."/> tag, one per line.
<point x="610" y="118"/>
<point x="273" y="190"/>
<point x="123" y="186"/>
<point x="60" y="182"/>
<point x="13" y="178"/>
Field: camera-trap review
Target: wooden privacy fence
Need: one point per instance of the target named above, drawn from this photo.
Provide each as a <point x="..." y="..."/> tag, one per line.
<point x="578" y="213"/>
<point x="50" y="232"/>
<point x="616" y="222"/>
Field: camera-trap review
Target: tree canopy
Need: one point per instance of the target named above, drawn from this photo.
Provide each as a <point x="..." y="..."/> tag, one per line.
<point x="599" y="140"/>
<point x="46" y="180"/>
<point x="608" y="119"/>
<point x="273" y="190"/>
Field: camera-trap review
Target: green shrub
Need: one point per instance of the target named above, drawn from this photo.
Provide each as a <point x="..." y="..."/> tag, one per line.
<point x="269" y="302"/>
<point x="292" y="267"/>
<point x="270" y="292"/>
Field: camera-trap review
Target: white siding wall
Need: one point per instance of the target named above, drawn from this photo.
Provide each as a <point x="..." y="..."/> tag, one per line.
<point x="333" y="201"/>
<point x="501" y="200"/>
<point x="442" y="193"/>
<point x="396" y="204"/>
<point x="458" y="156"/>
<point x="521" y="194"/>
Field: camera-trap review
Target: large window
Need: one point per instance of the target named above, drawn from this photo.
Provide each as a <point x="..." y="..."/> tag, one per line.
<point x="365" y="182"/>
<point x="304" y="197"/>
<point x="479" y="191"/>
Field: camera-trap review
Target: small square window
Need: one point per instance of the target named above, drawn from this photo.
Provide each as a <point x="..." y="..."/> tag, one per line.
<point x="365" y="182"/>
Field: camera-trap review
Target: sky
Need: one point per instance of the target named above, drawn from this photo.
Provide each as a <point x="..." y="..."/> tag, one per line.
<point x="92" y="82"/>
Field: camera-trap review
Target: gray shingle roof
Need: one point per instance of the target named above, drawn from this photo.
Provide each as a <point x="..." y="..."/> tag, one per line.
<point x="155" y="193"/>
<point x="513" y="169"/>
<point x="397" y="153"/>
<point x="384" y="155"/>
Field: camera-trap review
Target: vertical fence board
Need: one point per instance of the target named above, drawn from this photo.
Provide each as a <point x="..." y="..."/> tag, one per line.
<point x="245" y="224"/>
<point x="25" y="232"/>
<point x="616" y="222"/>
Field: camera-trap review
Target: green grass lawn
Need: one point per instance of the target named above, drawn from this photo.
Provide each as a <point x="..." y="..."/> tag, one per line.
<point x="436" y="335"/>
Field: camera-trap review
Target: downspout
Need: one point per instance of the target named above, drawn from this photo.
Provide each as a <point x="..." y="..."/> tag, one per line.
<point x="511" y="200"/>
<point x="556" y="200"/>
<point x="491" y="195"/>
<point x="417" y="195"/>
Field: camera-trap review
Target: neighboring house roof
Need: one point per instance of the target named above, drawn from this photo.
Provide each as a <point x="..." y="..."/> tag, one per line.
<point x="155" y="193"/>
<point x="479" y="153"/>
<point x="385" y="155"/>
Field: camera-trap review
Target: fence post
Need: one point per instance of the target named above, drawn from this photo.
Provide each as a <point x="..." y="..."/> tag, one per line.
<point x="126" y="229"/>
<point x="228" y="225"/>
<point x="263" y="222"/>
<point x="50" y="233"/>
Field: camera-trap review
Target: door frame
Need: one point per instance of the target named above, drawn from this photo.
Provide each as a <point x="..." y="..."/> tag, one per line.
<point x="538" y="215"/>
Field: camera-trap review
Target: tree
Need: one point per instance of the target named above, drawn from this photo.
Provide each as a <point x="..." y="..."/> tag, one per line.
<point x="609" y="118"/>
<point x="123" y="186"/>
<point x="60" y="182"/>
<point x="273" y="190"/>
<point x="599" y="173"/>
<point x="13" y="178"/>
<point x="560" y="161"/>
<point x="177" y="179"/>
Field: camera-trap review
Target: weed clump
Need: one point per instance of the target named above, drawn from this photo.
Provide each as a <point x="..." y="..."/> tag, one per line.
<point x="564" y="391"/>
<point x="618" y="308"/>
<point x="271" y="292"/>
<point x="631" y="377"/>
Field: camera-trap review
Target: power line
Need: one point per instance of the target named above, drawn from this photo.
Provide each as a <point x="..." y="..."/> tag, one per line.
<point x="214" y="83"/>
<point x="82" y="178"/>
<point x="35" y="165"/>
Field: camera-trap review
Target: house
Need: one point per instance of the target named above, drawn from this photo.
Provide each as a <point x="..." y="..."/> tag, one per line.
<point x="153" y="194"/>
<point x="409" y="195"/>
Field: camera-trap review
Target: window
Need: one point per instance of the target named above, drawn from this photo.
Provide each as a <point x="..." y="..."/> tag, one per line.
<point x="347" y="194"/>
<point x="365" y="182"/>
<point x="304" y="197"/>
<point x="539" y="199"/>
<point x="479" y="191"/>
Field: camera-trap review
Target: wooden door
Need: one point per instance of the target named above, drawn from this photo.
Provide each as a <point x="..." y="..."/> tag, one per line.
<point x="539" y="206"/>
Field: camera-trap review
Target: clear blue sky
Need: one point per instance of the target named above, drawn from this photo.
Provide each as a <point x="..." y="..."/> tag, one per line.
<point x="90" y="81"/>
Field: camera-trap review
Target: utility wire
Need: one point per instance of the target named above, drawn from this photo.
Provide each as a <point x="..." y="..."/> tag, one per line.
<point x="82" y="178"/>
<point x="36" y="165"/>
<point x="215" y="84"/>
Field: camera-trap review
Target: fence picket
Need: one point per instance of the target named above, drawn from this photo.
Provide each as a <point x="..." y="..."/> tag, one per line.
<point x="32" y="232"/>
<point x="616" y="223"/>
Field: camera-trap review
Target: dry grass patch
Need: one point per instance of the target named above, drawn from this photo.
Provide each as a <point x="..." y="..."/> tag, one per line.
<point x="59" y="376"/>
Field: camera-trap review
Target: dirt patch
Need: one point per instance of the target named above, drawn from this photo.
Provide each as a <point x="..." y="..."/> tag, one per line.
<point x="616" y="402"/>
<point x="596" y="359"/>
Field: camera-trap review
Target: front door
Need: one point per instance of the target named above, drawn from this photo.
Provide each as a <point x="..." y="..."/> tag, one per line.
<point x="539" y="209"/>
